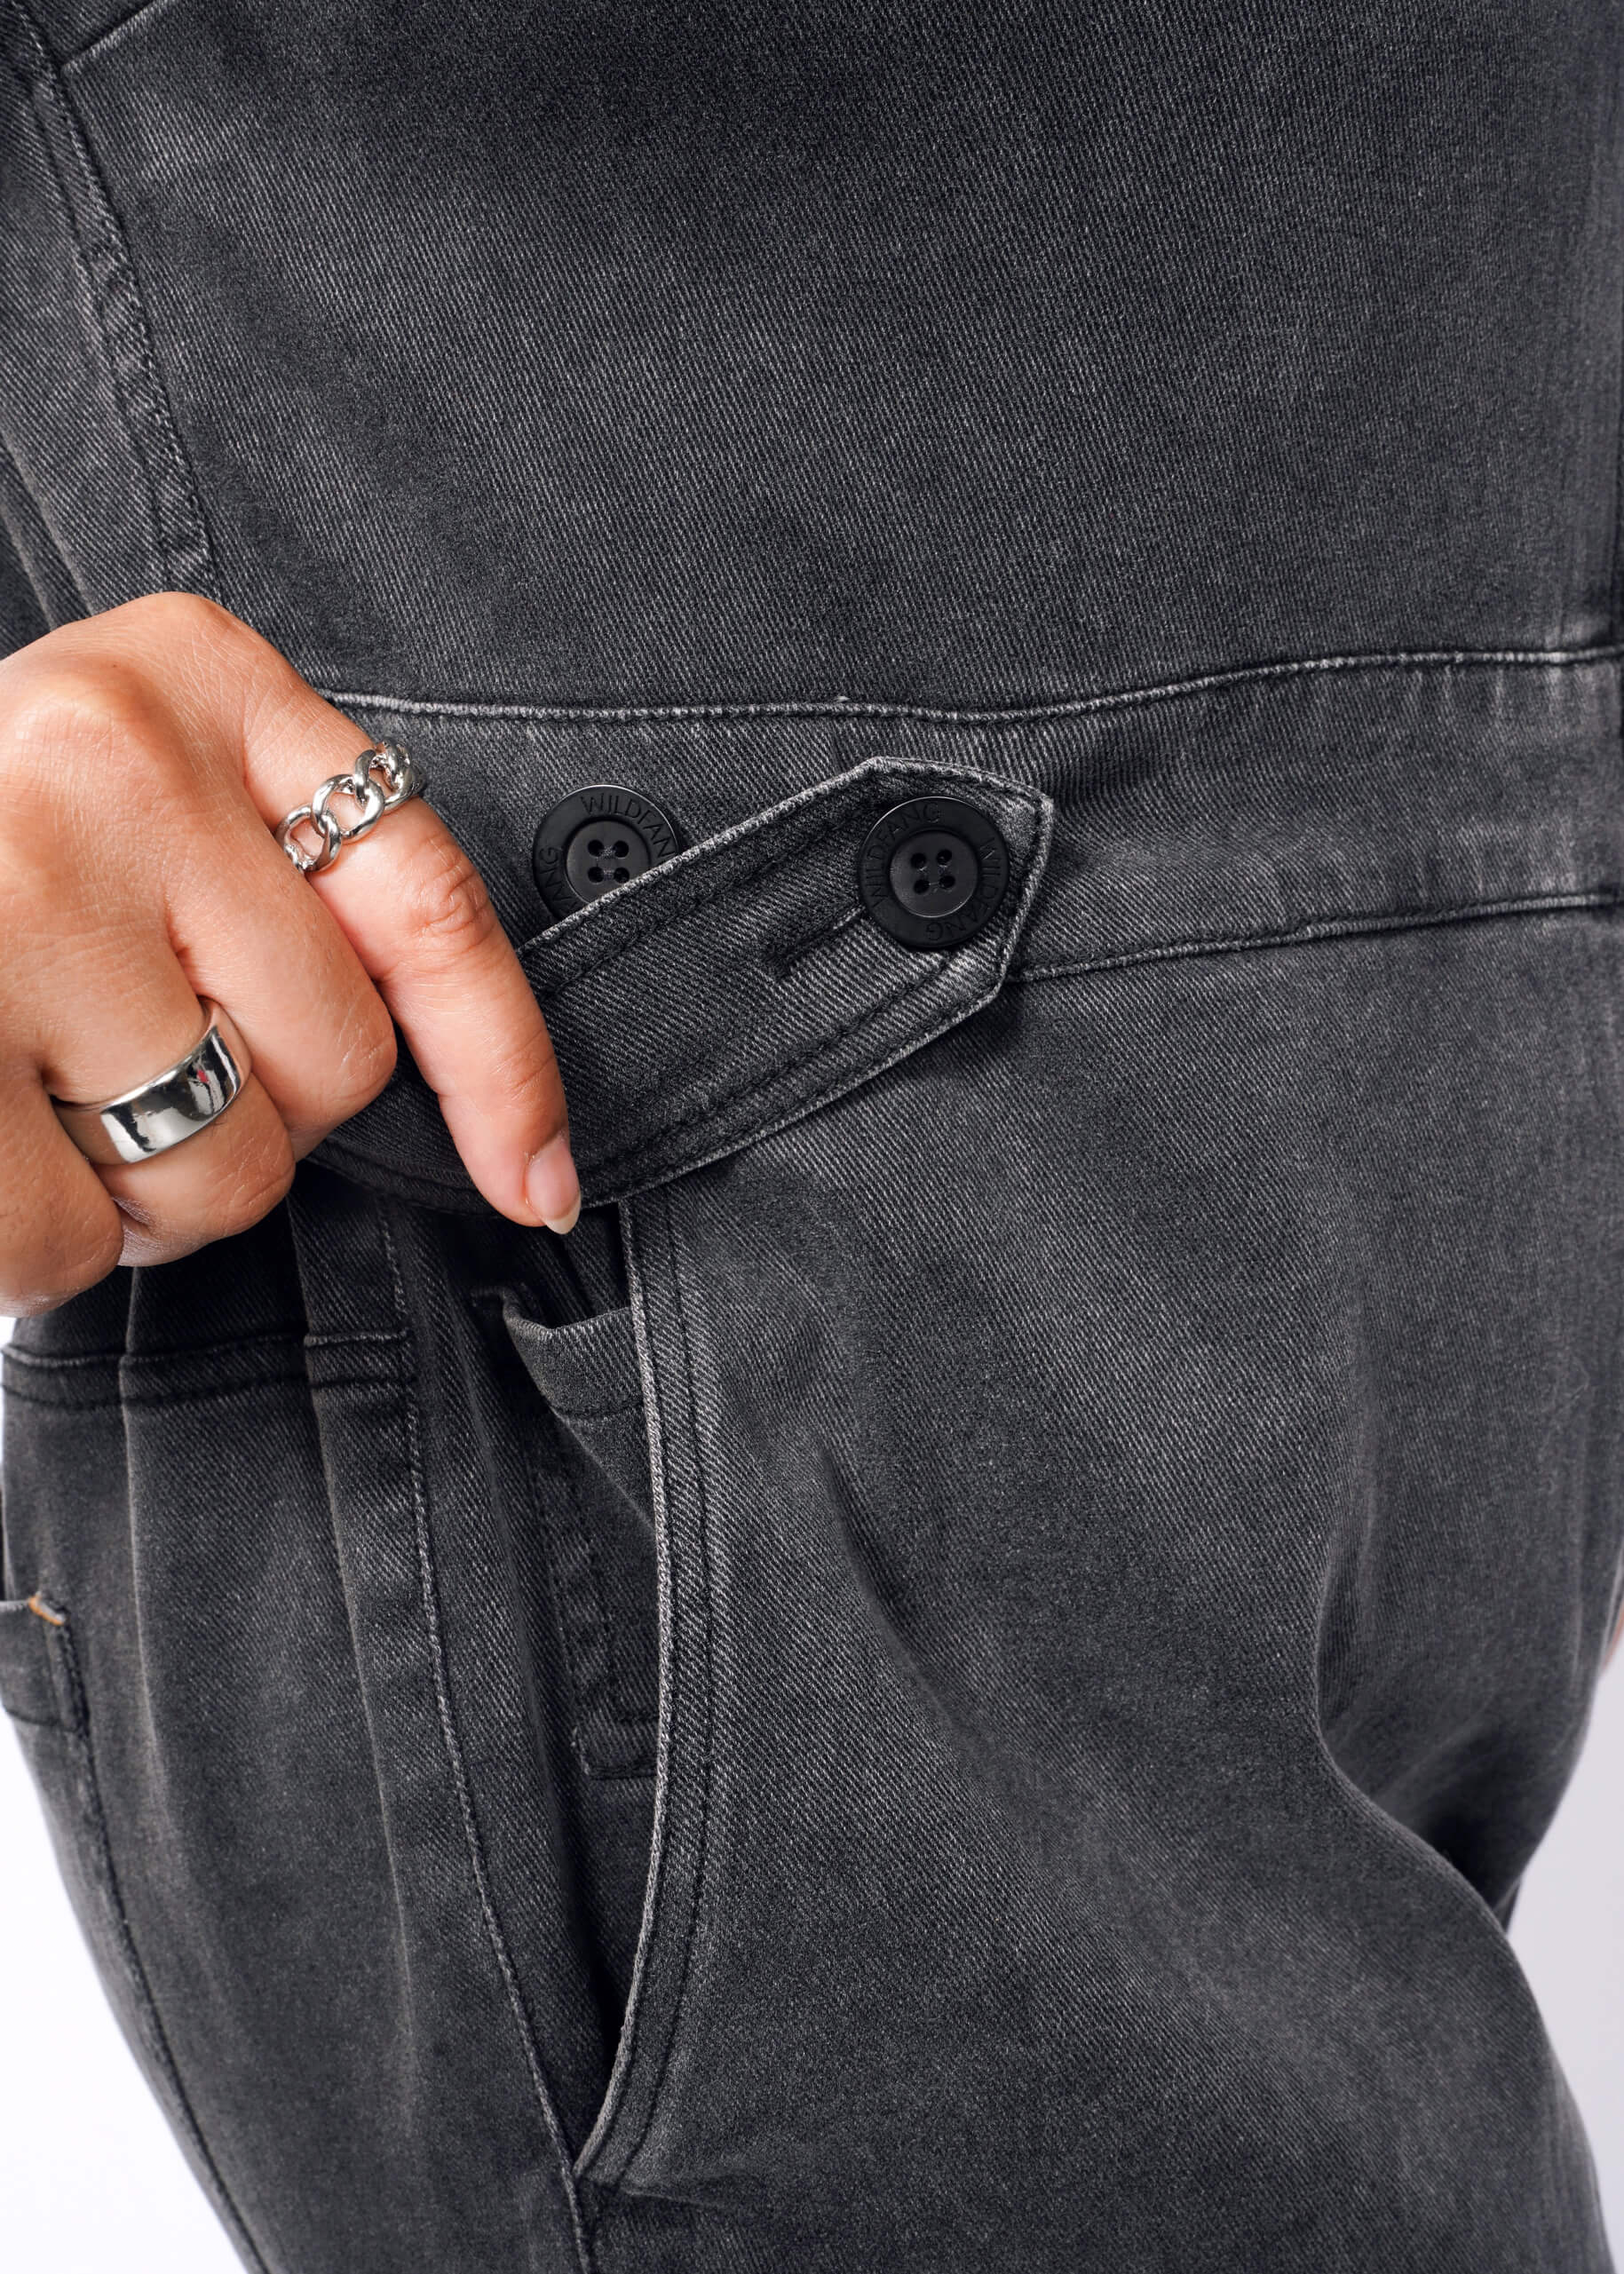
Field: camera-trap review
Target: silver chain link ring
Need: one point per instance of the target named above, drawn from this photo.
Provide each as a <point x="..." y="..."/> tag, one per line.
<point x="402" y="779"/>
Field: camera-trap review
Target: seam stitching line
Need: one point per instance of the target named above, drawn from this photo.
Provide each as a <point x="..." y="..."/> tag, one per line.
<point x="938" y="967"/>
<point x="708" y="1748"/>
<point x="1615" y="590"/>
<point x="179" y="531"/>
<point x="14" y="1395"/>
<point x="1195" y="946"/>
<point x="837" y="707"/>
<point x="232" y="1345"/>
<point x="37" y="92"/>
<point x="657" y="1892"/>
<point x="429" y="1593"/>
<point x="47" y="534"/>
<point x="600" y="1703"/>
<point x="808" y="1102"/>
<point x="110" y="32"/>
<point x="168" y="1399"/>
<point x="598" y="1412"/>
<point x="586" y="1690"/>
<point x="729" y="882"/>
<point x="410" y="1183"/>
<point x="599" y="1699"/>
<point x="1326" y="928"/>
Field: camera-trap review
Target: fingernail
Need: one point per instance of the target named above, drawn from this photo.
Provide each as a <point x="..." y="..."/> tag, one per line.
<point x="551" y="1185"/>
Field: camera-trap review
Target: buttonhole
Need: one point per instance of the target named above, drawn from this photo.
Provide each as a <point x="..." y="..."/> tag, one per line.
<point x="782" y="960"/>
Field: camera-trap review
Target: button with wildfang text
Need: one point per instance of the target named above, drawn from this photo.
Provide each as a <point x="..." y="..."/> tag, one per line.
<point x="933" y="872"/>
<point x="597" y="838"/>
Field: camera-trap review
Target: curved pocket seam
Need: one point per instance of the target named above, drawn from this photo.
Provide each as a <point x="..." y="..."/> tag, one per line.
<point x="680" y="1846"/>
<point x="695" y="1892"/>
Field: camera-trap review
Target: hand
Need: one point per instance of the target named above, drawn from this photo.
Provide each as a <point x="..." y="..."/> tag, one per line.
<point x="145" y="756"/>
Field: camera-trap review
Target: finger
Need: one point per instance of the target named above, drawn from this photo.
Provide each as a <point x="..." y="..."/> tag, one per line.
<point x="426" y="932"/>
<point x="59" y="1229"/>
<point x="417" y="913"/>
<point x="119" y="929"/>
<point x="406" y="898"/>
<point x="101" y="1045"/>
<point x="220" y="1181"/>
<point x="248" y="932"/>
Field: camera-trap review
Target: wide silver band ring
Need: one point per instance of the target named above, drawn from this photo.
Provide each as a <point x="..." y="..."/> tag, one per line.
<point x="172" y="1106"/>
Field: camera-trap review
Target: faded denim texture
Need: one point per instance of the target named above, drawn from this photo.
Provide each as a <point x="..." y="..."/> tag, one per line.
<point x="964" y="1677"/>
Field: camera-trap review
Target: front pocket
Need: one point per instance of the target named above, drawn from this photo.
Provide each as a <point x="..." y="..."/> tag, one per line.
<point x="585" y="1440"/>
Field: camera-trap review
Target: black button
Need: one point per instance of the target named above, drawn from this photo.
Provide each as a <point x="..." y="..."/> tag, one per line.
<point x="597" y="838"/>
<point x="933" y="873"/>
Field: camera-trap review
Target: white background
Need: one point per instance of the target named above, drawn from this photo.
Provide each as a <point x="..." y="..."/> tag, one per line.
<point x="93" y="2183"/>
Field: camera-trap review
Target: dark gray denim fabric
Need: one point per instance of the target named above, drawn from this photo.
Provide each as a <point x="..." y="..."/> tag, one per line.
<point x="964" y="1677"/>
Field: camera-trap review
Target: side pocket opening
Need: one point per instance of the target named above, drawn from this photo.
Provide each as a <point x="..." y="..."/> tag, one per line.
<point x="586" y="1444"/>
<point x="581" y="1550"/>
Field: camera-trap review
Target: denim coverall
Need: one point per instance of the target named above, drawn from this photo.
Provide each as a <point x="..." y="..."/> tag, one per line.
<point x="963" y="1677"/>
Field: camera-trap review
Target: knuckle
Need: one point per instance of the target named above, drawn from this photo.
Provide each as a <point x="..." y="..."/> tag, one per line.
<point x="107" y="686"/>
<point x="527" y="1077"/>
<point x="79" y="709"/>
<point x="258" y="1181"/>
<point x="447" y="912"/>
<point x="199" y="645"/>
<point x="171" y="616"/>
<point x="365" y="1060"/>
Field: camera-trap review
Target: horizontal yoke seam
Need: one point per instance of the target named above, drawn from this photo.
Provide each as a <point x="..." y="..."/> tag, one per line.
<point x="1316" y="930"/>
<point x="171" y="1396"/>
<point x="836" y="707"/>
<point x="291" y="1337"/>
<point x="110" y="1400"/>
<point x="159" y="1392"/>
